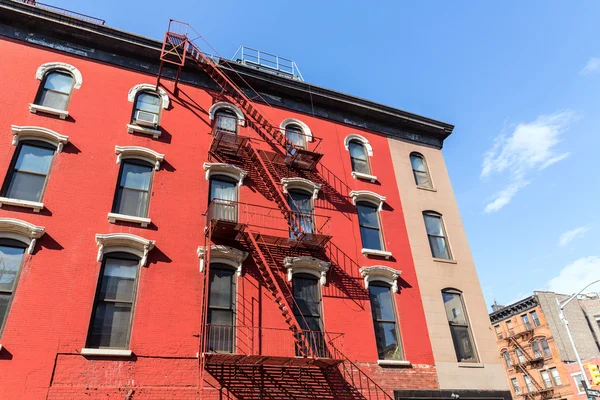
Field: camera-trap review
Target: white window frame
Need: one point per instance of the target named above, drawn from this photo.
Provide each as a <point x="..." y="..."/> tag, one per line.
<point x="303" y="127"/>
<point x="574" y="375"/>
<point x="380" y="273"/>
<point x="301" y="184"/>
<point x="307" y="265"/>
<point x="164" y="105"/>
<point x="22" y="231"/>
<point x="125" y="243"/>
<point x="212" y="112"/>
<point x="368" y="151"/>
<point x="220" y="254"/>
<point x="45" y="69"/>
<point x="228" y="170"/>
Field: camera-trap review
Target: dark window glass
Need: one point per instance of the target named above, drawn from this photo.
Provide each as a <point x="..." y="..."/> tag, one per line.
<point x="545" y="347"/>
<point x="295" y="135"/>
<point x="436" y="235"/>
<point x="226" y="121"/>
<point x="459" y="327"/>
<point x="526" y="323"/>
<point x="302" y="205"/>
<point x="515" y="386"/>
<point x="147" y="107"/>
<point x="113" y="308"/>
<point x="546" y="379"/>
<point x="507" y="359"/>
<point x="536" y="320"/>
<point x="133" y="191"/>
<point x="420" y="170"/>
<point x="223" y="198"/>
<point x="11" y="258"/>
<point x="221" y="312"/>
<point x="307" y="310"/>
<point x="55" y="90"/>
<point x="29" y="171"/>
<point x="358" y="157"/>
<point x="368" y="220"/>
<point x="384" y="320"/>
<point x="537" y="351"/>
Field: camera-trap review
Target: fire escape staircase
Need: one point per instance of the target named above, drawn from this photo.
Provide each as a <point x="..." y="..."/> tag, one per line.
<point x="177" y="49"/>
<point x="540" y="390"/>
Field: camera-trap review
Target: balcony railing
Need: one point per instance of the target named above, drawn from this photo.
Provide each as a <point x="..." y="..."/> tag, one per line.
<point x="250" y="344"/>
<point x="516" y="330"/>
<point x="68" y="13"/>
<point x="227" y="215"/>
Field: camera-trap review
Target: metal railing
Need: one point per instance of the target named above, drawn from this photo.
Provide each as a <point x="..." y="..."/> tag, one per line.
<point x="516" y="330"/>
<point x="265" y="220"/>
<point x="269" y="62"/>
<point x="270" y="342"/>
<point x="63" y="11"/>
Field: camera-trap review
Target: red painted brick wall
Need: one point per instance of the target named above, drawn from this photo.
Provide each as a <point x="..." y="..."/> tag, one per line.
<point x="50" y="313"/>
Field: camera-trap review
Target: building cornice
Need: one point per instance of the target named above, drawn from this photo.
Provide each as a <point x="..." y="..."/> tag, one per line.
<point x="514" y="309"/>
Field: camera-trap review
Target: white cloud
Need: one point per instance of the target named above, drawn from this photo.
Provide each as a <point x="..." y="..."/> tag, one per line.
<point x="576" y="275"/>
<point x="568" y="236"/>
<point x="531" y="147"/>
<point x="592" y="67"/>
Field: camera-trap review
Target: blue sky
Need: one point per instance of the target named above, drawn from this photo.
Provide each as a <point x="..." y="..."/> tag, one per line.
<point x="520" y="80"/>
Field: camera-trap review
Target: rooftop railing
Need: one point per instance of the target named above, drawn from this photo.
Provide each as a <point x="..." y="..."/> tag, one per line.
<point x="65" y="12"/>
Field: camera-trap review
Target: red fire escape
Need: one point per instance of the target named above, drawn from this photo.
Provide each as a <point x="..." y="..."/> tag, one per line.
<point x="254" y="362"/>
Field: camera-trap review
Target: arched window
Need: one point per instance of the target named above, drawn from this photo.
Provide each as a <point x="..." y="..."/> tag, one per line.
<point x="438" y="242"/>
<point x="146" y="109"/>
<point x="55" y="90"/>
<point x="420" y="171"/>
<point x="307" y="310"/>
<point x="384" y="320"/>
<point x="221" y="308"/>
<point x="459" y="326"/>
<point x="226" y="121"/>
<point x="507" y="359"/>
<point x="28" y="173"/>
<point x="358" y="157"/>
<point x="295" y="135"/>
<point x="12" y="253"/>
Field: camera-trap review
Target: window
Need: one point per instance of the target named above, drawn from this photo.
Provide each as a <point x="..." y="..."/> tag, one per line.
<point x="507" y="359"/>
<point x="546" y="379"/>
<point x="296" y="136"/>
<point x="534" y="317"/>
<point x="545" y="347"/>
<point x="526" y="323"/>
<point x="537" y="351"/>
<point x="226" y="121"/>
<point x="509" y="327"/>
<point x="307" y="310"/>
<point x="370" y="230"/>
<point x="133" y="190"/>
<point x="555" y="376"/>
<point x="55" y="90"/>
<point x="146" y="110"/>
<point x="384" y="320"/>
<point x="29" y="171"/>
<point x="114" y="304"/>
<point x="358" y="157"/>
<point x="459" y="326"/>
<point x="520" y="356"/>
<point x="223" y="197"/>
<point x="221" y="308"/>
<point x="515" y="386"/>
<point x="11" y="255"/>
<point x="528" y="383"/>
<point x="300" y="201"/>
<point x="498" y="331"/>
<point x="436" y="235"/>
<point x="577" y="378"/>
<point x="420" y="172"/>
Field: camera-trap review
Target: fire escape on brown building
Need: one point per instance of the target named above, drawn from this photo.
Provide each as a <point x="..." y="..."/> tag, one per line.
<point x="295" y="355"/>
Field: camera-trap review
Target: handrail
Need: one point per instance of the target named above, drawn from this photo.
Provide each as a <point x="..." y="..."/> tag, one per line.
<point x="64" y="11"/>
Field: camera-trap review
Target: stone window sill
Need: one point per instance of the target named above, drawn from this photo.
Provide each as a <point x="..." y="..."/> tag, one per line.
<point x="426" y="188"/>
<point x="114" y="217"/>
<point x="377" y="253"/>
<point x="470" y="365"/>
<point x="106" y="352"/>
<point x="34" y="205"/>
<point x="443" y="260"/>
<point x="394" y="363"/>
<point x="155" y="133"/>
<point x="360" y="175"/>
<point x="35" y="108"/>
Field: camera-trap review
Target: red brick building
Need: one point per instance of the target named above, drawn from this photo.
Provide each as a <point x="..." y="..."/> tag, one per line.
<point x="226" y="233"/>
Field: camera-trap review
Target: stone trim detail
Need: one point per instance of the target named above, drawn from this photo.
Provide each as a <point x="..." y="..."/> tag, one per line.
<point x="368" y="196"/>
<point x="125" y="242"/>
<point x="49" y="66"/>
<point x="38" y="133"/>
<point x="292" y="121"/>
<point x="147" y="87"/>
<point x="223" y="254"/>
<point x="241" y="120"/>
<point x="309" y="265"/>
<point x="361" y="139"/>
<point x="36" y="206"/>
<point x="381" y="273"/>
<point x="23" y="231"/>
<point x="225" y="169"/>
<point x="139" y="153"/>
<point x="302" y="184"/>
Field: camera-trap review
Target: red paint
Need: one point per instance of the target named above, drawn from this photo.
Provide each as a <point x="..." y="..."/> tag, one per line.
<point x="50" y="314"/>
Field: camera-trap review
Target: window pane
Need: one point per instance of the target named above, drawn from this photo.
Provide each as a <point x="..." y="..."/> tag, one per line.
<point x="545" y="348"/>
<point x="132" y="202"/>
<point x="10" y="262"/>
<point x="507" y="359"/>
<point x="357" y="150"/>
<point x="148" y="102"/>
<point x="25" y="186"/>
<point x="295" y="136"/>
<point x="528" y="383"/>
<point x="422" y="179"/>
<point x="220" y="317"/>
<point x="110" y="327"/>
<point x="546" y="379"/>
<point x="555" y="376"/>
<point x="387" y="342"/>
<point x="227" y="122"/>
<point x="307" y="295"/>
<point x="221" y="287"/>
<point x="454" y="308"/>
<point x="221" y="189"/>
<point x="360" y="166"/>
<point x="381" y="303"/>
<point x="535" y="346"/>
<point x="370" y="239"/>
<point x="300" y="201"/>
<point x="433" y="224"/>
<point x="4" y="300"/>
<point x="577" y="378"/>
<point x="118" y="281"/>
<point x="34" y="159"/>
<point x="534" y="316"/>
<point x="515" y="385"/>
<point x="367" y="215"/>
<point x="54" y="99"/>
<point x="136" y="176"/>
<point x="417" y="163"/>
<point x="462" y="343"/>
<point x="438" y="247"/>
<point x="221" y="333"/>
<point x="59" y="82"/>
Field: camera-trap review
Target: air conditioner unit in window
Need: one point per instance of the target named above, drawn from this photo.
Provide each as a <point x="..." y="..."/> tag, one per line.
<point x="144" y="118"/>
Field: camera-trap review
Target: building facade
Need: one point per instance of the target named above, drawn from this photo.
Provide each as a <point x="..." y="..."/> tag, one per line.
<point x="175" y="226"/>
<point x="532" y="342"/>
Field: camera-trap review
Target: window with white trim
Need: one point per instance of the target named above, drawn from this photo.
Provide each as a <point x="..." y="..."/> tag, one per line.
<point x="55" y="90"/>
<point x="358" y="157"/>
<point x="546" y="379"/>
<point x="301" y="204"/>
<point x="146" y="109"/>
<point x="223" y="197"/>
<point x="507" y="359"/>
<point x="306" y="291"/>
<point x="226" y="121"/>
<point x="577" y="378"/>
<point x="370" y="226"/>
<point x="132" y="195"/>
<point x="12" y="253"/>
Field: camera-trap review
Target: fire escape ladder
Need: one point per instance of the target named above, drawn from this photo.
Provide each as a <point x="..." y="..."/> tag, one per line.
<point x="282" y="294"/>
<point x="523" y="365"/>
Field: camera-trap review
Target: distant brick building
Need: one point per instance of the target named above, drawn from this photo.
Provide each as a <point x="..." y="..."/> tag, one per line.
<point x="174" y="225"/>
<point x="533" y="344"/>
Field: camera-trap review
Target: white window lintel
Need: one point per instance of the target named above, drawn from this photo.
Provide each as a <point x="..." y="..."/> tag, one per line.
<point x="368" y="196"/>
<point x="380" y="273"/>
<point x="308" y="265"/>
<point x="292" y="121"/>
<point x="38" y="133"/>
<point x="140" y="153"/>
<point x="23" y="231"/>
<point x="225" y="169"/>
<point x="160" y="92"/>
<point x="361" y="139"/>
<point x="302" y="184"/>
<point x="49" y="66"/>
<point x="125" y="242"/>
<point x="223" y="254"/>
<point x="241" y="120"/>
<point x="106" y="352"/>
